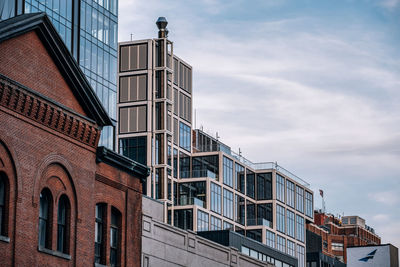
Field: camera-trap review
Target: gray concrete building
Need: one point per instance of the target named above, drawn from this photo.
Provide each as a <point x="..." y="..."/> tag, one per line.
<point x="165" y="245"/>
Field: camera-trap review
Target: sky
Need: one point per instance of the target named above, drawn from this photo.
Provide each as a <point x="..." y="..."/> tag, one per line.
<point x="311" y="85"/>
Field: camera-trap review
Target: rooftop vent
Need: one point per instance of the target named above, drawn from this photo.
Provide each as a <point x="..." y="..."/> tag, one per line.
<point x="162" y="27"/>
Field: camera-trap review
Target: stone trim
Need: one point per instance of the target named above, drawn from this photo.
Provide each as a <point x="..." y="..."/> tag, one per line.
<point x="41" y="110"/>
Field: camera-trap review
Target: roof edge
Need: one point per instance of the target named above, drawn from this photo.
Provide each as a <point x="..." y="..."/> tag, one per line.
<point x="121" y="162"/>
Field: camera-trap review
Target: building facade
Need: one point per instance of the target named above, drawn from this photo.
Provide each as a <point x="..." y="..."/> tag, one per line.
<point x="339" y="233"/>
<point x="202" y="183"/>
<point x="64" y="201"/>
<point x="89" y="28"/>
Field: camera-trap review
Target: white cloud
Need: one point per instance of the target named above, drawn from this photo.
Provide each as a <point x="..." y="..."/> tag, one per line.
<point x="387" y="197"/>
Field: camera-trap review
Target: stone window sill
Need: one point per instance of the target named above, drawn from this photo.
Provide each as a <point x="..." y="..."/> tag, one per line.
<point x="54" y="253"/>
<point x="4" y="239"/>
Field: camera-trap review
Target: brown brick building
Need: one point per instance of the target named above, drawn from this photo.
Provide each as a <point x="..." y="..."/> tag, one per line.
<point x="63" y="200"/>
<point x="338" y="234"/>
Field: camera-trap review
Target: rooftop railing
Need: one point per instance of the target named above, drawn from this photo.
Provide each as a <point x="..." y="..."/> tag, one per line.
<point x="185" y="201"/>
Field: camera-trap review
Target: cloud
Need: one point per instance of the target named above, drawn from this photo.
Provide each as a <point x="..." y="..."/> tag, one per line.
<point x="387" y="197"/>
<point x="316" y="93"/>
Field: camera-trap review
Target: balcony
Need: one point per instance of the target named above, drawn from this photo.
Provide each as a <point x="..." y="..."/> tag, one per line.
<point x="188" y="201"/>
<point x="259" y="221"/>
<point x="198" y="174"/>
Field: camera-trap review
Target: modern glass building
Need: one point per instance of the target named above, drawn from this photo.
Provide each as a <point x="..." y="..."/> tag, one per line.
<point x="89" y="29"/>
<point x="204" y="185"/>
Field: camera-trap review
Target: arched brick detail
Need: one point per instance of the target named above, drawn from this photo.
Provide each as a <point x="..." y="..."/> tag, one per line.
<point x="9" y="164"/>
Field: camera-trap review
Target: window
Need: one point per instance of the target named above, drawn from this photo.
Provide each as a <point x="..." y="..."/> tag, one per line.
<point x="300" y="255"/>
<point x="202" y="221"/>
<point x="133" y="119"/>
<point x="290" y="193"/>
<point x="228" y="204"/>
<point x="281" y="243"/>
<point x="134" y="148"/>
<point x="264" y="186"/>
<point x="291" y="248"/>
<point x="299" y="199"/>
<point x="246" y="250"/>
<point x="228" y="226"/>
<point x="280" y="188"/>
<point x="185" y="107"/>
<point x="240" y="178"/>
<point x="290" y="223"/>
<point x="45" y="215"/>
<point x="251" y="213"/>
<point x="3" y="204"/>
<point x="133" y="57"/>
<point x="63" y="224"/>
<point x="216" y="224"/>
<point x="270" y="239"/>
<point x="264" y="214"/>
<point x="300" y="228"/>
<point x="183" y="219"/>
<point x="215" y="198"/>
<point x="337" y="246"/>
<point x="184" y="136"/>
<point x="280" y="218"/>
<point x="309" y="204"/>
<point x="99" y="235"/>
<point x="240" y="207"/>
<point x="133" y="88"/>
<point x="115" y="231"/>
<point x="228" y="171"/>
<point x="250" y="183"/>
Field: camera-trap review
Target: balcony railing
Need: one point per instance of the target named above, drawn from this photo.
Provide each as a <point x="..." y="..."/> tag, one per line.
<point x="259" y="221"/>
<point x="185" y="201"/>
<point x="198" y="174"/>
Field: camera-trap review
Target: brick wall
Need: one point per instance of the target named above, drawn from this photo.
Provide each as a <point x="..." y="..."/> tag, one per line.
<point x="34" y="156"/>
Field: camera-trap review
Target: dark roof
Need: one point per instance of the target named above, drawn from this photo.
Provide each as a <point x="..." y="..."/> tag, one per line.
<point x="121" y="162"/>
<point x="76" y="79"/>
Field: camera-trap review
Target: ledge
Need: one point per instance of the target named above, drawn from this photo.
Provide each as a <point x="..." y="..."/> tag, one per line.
<point x="99" y="265"/>
<point x="54" y="253"/>
<point x="123" y="163"/>
<point x="4" y="239"/>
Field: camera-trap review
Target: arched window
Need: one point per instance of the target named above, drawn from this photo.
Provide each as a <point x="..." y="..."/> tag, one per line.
<point x="99" y="239"/>
<point x="45" y="215"/>
<point x="3" y="204"/>
<point x="63" y="224"/>
<point x="115" y="231"/>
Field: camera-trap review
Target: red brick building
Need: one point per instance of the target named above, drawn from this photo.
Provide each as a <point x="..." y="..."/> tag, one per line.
<point x="64" y="201"/>
<point x="338" y="234"/>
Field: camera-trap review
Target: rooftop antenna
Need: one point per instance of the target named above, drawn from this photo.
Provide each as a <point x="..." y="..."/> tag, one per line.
<point x="131" y="37"/>
<point x="240" y="152"/>
<point x="216" y="135"/>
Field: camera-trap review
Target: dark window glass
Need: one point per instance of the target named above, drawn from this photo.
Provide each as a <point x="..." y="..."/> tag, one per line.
<point x="205" y="166"/>
<point x="264" y="214"/>
<point x="63" y="224"/>
<point x="251" y="213"/>
<point x="134" y="148"/>
<point x="240" y="178"/>
<point x="216" y="224"/>
<point x="184" y="165"/>
<point x="309" y="204"/>
<point x="264" y="186"/>
<point x="240" y="209"/>
<point x="290" y="223"/>
<point x="254" y="234"/>
<point x="250" y="183"/>
<point x="45" y="215"/>
<point x="3" y="204"/>
<point x="290" y="193"/>
<point x="192" y="194"/>
<point x="99" y="240"/>
<point x="115" y="231"/>
<point x="183" y="219"/>
<point x="270" y="239"/>
<point x="300" y="199"/>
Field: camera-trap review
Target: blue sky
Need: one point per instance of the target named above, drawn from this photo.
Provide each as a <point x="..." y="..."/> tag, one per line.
<point x="313" y="85"/>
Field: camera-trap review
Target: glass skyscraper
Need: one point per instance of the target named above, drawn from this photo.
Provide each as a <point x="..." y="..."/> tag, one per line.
<point x="89" y="29"/>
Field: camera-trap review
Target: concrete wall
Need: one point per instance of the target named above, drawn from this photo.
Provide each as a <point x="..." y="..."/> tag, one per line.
<point x="165" y="245"/>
